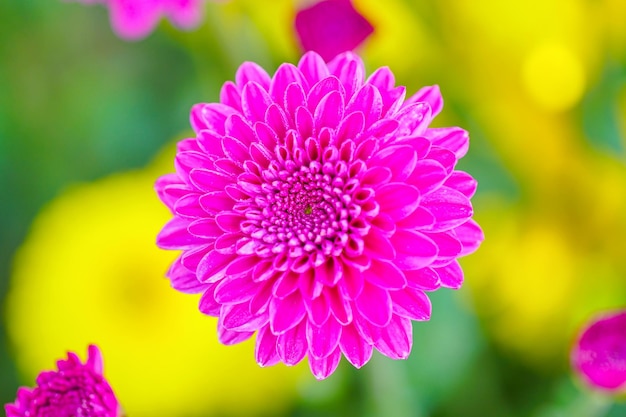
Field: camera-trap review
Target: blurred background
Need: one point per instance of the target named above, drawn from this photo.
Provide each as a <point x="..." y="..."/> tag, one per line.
<point x="87" y="122"/>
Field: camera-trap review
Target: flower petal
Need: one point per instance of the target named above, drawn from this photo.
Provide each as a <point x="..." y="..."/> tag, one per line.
<point x="396" y="338"/>
<point x="286" y="313"/>
<point x="357" y="351"/>
<point x="323" y="340"/>
<point x="411" y="303"/>
<point x="450" y="208"/>
<point x="385" y="274"/>
<point x="397" y="200"/>
<point x="322" y="368"/>
<point x="265" y="351"/>
<point x="413" y="250"/>
<point x="292" y="345"/>
<point x="374" y="303"/>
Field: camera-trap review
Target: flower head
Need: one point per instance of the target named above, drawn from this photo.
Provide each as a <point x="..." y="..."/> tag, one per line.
<point x="330" y="27"/>
<point x="315" y="207"/>
<point x="74" y="390"/>
<point x="136" y="19"/>
<point x="599" y="354"/>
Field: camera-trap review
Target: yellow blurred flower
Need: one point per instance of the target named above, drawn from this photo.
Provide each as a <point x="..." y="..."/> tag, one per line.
<point x="90" y="272"/>
<point x="547" y="264"/>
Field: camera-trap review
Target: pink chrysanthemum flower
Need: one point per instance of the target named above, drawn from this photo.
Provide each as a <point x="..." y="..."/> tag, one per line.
<point x="315" y="207"/>
<point x="599" y="354"/>
<point x="74" y="390"/>
<point x="330" y="27"/>
<point x="136" y="19"/>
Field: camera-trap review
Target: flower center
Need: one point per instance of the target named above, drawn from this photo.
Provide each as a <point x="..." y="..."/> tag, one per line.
<point x="301" y="211"/>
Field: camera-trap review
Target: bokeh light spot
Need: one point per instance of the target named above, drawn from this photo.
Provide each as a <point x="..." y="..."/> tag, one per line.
<point x="554" y="77"/>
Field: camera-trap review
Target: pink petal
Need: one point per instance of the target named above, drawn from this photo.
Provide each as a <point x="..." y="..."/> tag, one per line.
<point x="368" y="101"/>
<point x="230" y="95"/>
<point x="378" y="245"/>
<point x="425" y="279"/>
<point x="352" y="281"/>
<point x="357" y="351"/>
<point x="463" y="182"/>
<point x="428" y="175"/>
<point x="396" y="338"/>
<point x="235" y="150"/>
<point x="411" y="303"/>
<point x="446" y="158"/>
<point x="229" y="221"/>
<point x="292" y="345"/>
<point x="237" y="127"/>
<point x="207" y="303"/>
<point x="414" y="119"/>
<point x="451" y="275"/>
<point x="250" y="72"/>
<point x="454" y="139"/>
<point x="350" y="70"/>
<point x="286" y="313"/>
<point x="205" y="228"/>
<point x="323" y="340"/>
<point x="322" y="368"/>
<point x="235" y="290"/>
<point x="449" y="206"/>
<point x="212" y="267"/>
<point x="254" y="102"/>
<point x="184" y="280"/>
<point x="285" y="74"/>
<point x="215" y="202"/>
<point x="470" y="235"/>
<point x="374" y="303"/>
<point x="413" y="250"/>
<point x="313" y="67"/>
<point x="351" y="126"/>
<point x="230" y="337"/>
<point x="397" y="200"/>
<point x="448" y="247"/>
<point x="419" y="219"/>
<point x="385" y="274"/>
<point x="210" y="116"/>
<point x="329" y="112"/>
<point x="339" y="305"/>
<point x="318" y="310"/>
<point x="400" y="160"/>
<point x="189" y="206"/>
<point x="174" y="235"/>
<point x="265" y="352"/>
<point x="286" y="284"/>
<point x="430" y="95"/>
<point x="237" y="317"/>
<point x="208" y="180"/>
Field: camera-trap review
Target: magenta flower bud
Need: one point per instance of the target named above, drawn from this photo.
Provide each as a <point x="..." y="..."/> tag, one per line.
<point x="599" y="354"/>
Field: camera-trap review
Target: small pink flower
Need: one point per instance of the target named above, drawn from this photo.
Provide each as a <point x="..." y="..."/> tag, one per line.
<point x="74" y="390"/>
<point x="330" y="27"/>
<point x="136" y="19"/>
<point x="599" y="354"/>
<point x="315" y="207"/>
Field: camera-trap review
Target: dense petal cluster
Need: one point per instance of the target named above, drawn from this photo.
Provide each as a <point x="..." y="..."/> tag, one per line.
<point x="599" y="354"/>
<point x="74" y="390"/>
<point x="315" y="207"/>
<point x="136" y="19"/>
<point x="330" y="27"/>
